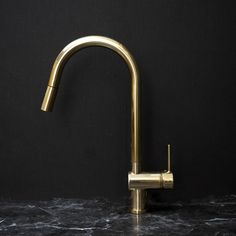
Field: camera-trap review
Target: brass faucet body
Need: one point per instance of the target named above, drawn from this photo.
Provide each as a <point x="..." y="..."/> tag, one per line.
<point x="137" y="181"/>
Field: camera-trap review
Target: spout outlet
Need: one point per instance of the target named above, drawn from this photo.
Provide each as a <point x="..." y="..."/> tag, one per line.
<point x="49" y="98"/>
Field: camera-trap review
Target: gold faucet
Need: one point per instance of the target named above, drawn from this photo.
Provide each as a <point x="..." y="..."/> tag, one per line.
<point x="137" y="180"/>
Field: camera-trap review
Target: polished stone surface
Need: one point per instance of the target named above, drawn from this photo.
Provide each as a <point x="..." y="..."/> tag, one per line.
<point x="212" y="216"/>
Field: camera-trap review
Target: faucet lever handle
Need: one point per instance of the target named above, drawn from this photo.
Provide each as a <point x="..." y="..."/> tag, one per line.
<point x="168" y="158"/>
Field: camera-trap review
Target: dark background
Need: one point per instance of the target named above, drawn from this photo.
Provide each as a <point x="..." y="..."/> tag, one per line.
<point x="186" y="55"/>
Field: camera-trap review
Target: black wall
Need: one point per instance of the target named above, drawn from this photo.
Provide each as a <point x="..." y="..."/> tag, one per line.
<point x="186" y="55"/>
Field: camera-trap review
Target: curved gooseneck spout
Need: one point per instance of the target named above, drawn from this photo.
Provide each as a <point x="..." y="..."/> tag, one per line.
<point x="138" y="182"/>
<point x="91" y="41"/>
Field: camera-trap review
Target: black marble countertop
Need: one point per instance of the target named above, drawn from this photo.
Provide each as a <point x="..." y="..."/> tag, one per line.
<point x="212" y="216"/>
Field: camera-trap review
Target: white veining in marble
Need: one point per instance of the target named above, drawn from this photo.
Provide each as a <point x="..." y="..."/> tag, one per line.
<point x="214" y="216"/>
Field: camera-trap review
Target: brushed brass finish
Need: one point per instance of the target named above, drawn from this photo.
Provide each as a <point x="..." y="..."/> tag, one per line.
<point x="167" y="180"/>
<point x="138" y="181"/>
<point x="91" y="41"/>
<point x="168" y="156"/>
<point x="144" y="180"/>
<point x="138" y="201"/>
<point x="49" y="98"/>
<point x="150" y="180"/>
